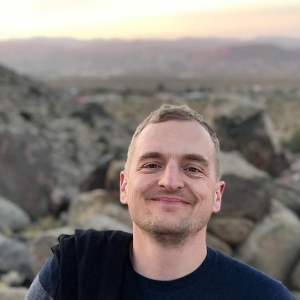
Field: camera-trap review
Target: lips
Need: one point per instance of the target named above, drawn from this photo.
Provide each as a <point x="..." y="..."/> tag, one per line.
<point x="169" y="200"/>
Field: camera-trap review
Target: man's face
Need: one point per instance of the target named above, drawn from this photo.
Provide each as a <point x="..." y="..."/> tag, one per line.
<point x="171" y="186"/>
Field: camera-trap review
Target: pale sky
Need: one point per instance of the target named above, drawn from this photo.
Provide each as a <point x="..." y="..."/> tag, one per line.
<point x="131" y="19"/>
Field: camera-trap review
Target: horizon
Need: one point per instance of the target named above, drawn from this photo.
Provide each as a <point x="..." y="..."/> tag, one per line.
<point x="256" y="38"/>
<point x="140" y="20"/>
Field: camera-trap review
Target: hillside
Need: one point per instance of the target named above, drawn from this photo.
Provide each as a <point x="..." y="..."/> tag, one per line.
<point x="185" y="58"/>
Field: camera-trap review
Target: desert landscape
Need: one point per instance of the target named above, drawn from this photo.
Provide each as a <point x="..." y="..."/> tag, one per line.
<point x="65" y="126"/>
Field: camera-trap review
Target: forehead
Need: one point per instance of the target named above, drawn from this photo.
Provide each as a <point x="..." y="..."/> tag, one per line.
<point x="175" y="137"/>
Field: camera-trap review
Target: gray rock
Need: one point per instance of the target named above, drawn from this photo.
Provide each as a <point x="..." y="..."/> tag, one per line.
<point x="112" y="180"/>
<point x="231" y="230"/>
<point x="13" y="293"/>
<point x="98" y="202"/>
<point x="287" y="191"/>
<point x="26" y="176"/>
<point x="216" y="243"/>
<point x="40" y="246"/>
<point x="13" y="278"/>
<point x="11" y="216"/>
<point x="274" y="244"/>
<point x="296" y="294"/>
<point x="103" y="222"/>
<point x="248" y="190"/>
<point x="288" y="196"/>
<point x="14" y="256"/>
<point x="242" y="124"/>
<point x="96" y="180"/>
<point x="295" y="277"/>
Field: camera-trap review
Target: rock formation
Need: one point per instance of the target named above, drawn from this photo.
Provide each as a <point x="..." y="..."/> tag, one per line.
<point x="59" y="170"/>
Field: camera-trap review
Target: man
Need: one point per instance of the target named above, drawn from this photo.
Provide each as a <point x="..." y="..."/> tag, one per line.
<point x="171" y="184"/>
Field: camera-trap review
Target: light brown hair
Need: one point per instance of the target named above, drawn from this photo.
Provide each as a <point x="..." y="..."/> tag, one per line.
<point x="173" y="112"/>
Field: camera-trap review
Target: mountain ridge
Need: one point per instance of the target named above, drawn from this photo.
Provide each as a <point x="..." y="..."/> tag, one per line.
<point x="186" y="57"/>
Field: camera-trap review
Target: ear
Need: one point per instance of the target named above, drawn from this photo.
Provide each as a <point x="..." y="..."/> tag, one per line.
<point x="123" y="187"/>
<point x="220" y="186"/>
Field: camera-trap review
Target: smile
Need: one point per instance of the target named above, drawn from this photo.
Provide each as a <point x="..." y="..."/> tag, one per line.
<point x="171" y="200"/>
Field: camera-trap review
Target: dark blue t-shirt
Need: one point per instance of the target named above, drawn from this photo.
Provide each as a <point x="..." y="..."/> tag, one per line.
<point x="219" y="277"/>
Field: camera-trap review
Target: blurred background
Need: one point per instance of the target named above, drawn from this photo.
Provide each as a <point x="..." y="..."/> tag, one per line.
<point x="77" y="77"/>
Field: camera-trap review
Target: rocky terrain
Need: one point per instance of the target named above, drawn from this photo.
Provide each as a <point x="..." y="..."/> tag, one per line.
<point x="61" y="154"/>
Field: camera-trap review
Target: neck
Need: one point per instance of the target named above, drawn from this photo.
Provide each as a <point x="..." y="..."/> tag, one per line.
<point x="156" y="261"/>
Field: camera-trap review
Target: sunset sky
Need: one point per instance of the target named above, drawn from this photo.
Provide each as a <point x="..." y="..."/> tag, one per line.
<point x="131" y="19"/>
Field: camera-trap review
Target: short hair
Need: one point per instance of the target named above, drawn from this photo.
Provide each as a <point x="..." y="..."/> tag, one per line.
<point x="181" y="113"/>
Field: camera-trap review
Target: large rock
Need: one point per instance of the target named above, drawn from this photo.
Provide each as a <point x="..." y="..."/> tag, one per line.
<point x="26" y="175"/>
<point x="103" y="222"/>
<point x="98" y="202"/>
<point x="231" y="230"/>
<point x="295" y="277"/>
<point x="248" y="190"/>
<point x="96" y="180"/>
<point x="112" y="180"/>
<point x="287" y="191"/>
<point x="14" y="256"/>
<point x="13" y="293"/>
<point x="13" y="278"/>
<point x="215" y="243"/>
<point x="40" y="246"/>
<point x="12" y="217"/>
<point x="274" y="244"/>
<point x="243" y="125"/>
<point x="296" y="294"/>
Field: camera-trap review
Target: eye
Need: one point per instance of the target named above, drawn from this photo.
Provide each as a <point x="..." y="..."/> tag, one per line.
<point x="151" y="166"/>
<point x="192" y="170"/>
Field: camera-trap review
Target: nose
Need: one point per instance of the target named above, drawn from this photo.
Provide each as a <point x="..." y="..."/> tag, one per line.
<point x="171" y="178"/>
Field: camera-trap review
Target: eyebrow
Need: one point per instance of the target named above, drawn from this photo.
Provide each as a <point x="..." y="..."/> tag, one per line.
<point x="191" y="157"/>
<point x="196" y="157"/>
<point x="150" y="155"/>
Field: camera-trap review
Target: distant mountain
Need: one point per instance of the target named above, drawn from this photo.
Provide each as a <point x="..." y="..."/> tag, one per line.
<point x="284" y="42"/>
<point x="189" y="57"/>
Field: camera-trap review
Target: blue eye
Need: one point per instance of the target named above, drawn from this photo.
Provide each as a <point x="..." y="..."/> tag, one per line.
<point x="192" y="169"/>
<point x="151" y="166"/>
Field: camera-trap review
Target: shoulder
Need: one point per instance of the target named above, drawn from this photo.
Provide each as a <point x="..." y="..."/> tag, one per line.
<point x="45" y="283"/>
<point x="250" y="280"/>
<point x="92" y="235"/>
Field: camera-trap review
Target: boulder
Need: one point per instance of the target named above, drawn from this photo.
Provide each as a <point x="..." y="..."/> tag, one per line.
<point x="40" y="246"/>
<point x="96" y="180"/>
<point x="13" y="293"/>
<point x="231" y="230"/>
<point x="61" y="199"/>
<point x="13" y="278"/>
<point x="12" y="217"/>
<point x="287" y="191"/>
<point x="103" y="222"/>
<point x="288" y="196"/>
<point x="296" y="295"/>
<point x="98" y="202"/>
<point x="274" y="244"/>
<point x="26" y="176"/>
<point x="112" y="180"/>
<point x="14" y="256"/>
<point x="243" y="125"/>
<point x="248" y="190"/>
<point x="295" y="277"/>
<point x="215" y="243"/>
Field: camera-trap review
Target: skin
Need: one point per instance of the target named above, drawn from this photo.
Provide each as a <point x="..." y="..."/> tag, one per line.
<point x="171" y="191"/>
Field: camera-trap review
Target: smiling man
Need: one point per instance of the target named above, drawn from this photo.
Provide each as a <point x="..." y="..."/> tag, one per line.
<point x="171" y="184"/>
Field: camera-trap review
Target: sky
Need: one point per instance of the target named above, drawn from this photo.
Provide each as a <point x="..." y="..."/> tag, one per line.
<point x="140" y="19"/>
